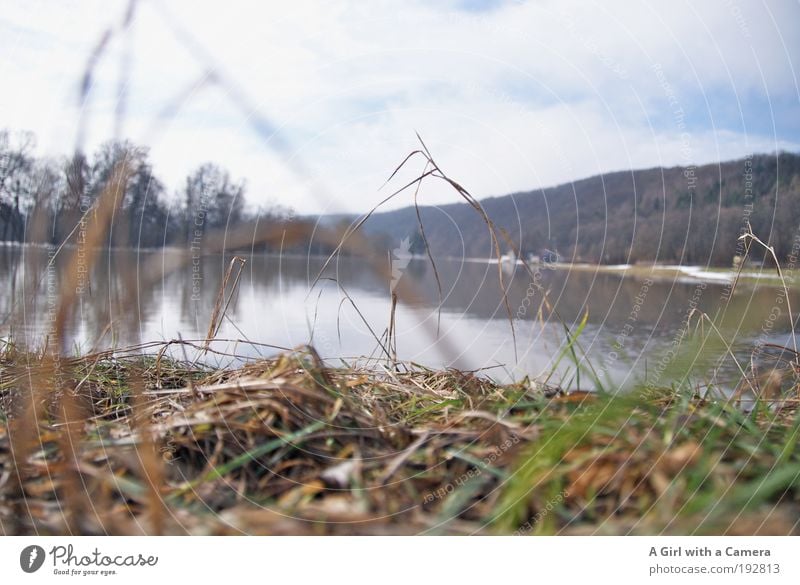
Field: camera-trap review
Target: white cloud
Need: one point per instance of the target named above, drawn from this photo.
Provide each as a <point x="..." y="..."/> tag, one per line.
<point x="521" y="96"/>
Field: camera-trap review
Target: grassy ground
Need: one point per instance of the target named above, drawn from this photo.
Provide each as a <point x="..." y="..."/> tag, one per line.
<point x="117" y="443"/>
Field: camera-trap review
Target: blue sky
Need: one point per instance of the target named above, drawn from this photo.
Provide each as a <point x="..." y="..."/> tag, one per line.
<point x="510" y="96"/>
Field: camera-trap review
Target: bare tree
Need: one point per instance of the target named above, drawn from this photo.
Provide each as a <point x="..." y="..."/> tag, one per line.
<point x="16" y="162"/>
<point x="212" y="200"/>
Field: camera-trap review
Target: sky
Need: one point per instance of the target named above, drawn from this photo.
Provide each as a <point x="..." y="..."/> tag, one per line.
<point x="315" y="103"/>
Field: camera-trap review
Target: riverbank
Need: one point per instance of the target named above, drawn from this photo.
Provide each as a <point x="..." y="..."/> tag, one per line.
<point x="707" y="274"/>
<point x="129" y="444"/>
<point x="752" y="275"/>
<point x="749" y="276"/>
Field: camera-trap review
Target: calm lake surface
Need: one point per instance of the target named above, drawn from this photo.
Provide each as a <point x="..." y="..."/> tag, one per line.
<point x="632" y="323"/>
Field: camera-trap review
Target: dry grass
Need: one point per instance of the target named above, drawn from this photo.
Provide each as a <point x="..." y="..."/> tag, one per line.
<point x="288" y="446"/>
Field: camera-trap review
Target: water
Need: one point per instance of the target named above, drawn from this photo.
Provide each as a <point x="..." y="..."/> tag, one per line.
<point x="631" y="323"/>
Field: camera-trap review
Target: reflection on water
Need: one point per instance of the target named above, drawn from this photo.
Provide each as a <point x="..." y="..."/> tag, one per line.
<point x="631" y="323"/>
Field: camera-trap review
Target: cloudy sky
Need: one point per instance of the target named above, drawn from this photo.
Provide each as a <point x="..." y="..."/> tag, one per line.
<point x="315" y="103"/>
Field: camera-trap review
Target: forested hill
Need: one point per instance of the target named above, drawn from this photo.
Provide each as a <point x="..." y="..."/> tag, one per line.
<point x="681" y="214"/>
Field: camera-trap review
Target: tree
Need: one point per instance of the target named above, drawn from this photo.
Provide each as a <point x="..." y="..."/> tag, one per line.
<point x="47" y="185"/>
<point x="16" y="162"/>
<point x="142" y="214"/>
<point x="212" y="200"/>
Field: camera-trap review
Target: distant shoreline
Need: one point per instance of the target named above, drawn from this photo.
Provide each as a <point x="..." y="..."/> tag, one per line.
<point x="680" y="273"/>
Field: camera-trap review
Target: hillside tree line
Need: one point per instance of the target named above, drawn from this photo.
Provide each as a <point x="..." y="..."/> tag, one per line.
<point x="691" y="215"/>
